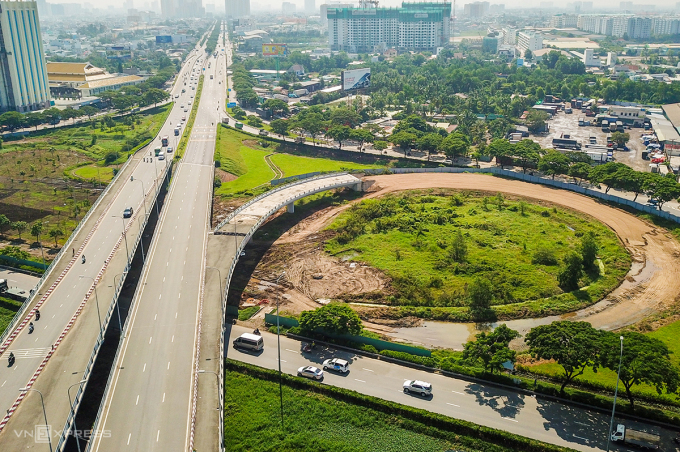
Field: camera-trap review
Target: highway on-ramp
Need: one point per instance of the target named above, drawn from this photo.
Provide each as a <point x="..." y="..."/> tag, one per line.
<point x="149" y="403"/>
<point x="60" y="308"/>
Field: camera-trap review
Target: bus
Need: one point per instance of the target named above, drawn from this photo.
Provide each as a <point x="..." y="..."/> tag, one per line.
<point x="605" y="125"/>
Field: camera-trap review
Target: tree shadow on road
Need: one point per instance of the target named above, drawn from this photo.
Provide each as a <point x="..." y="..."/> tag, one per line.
<point x="508" y="404"/>
<point x="575" y="424"/>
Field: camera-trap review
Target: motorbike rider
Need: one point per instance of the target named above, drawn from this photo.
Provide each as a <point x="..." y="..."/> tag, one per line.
<point x="83" y="258"/>
<point x="10" y="358"/>
<point x="30" y="328"/>
<point x="37" y="314"/>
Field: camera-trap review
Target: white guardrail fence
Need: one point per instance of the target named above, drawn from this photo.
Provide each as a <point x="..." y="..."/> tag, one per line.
<point x="107" y="318"/>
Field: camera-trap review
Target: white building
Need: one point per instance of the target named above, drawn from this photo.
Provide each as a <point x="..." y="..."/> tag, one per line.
<point x="23" y="72"/>
<point x="563" y="21"/>
<point x="528" y="40"/>
<point x="595" y="23"/>
<point x="640" y="28"/>
<point x="414" y="26"/>
<point x="510" y="36"/>
<point x="666" y="25"/>
<point x="590" y="60"/>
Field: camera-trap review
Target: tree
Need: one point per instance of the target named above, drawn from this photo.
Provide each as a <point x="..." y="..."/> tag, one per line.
<point x="620" y="138"/>
<point x="334" y="318"/>
<point x="342" y="116"/>
<point x="661" y="188"/>
<point x="36" y="230"/>
<point x="276" y="106"/>
<point x="579" y="171"/>
<point x="35" y="119"/>
<point x="458" y="250"/>
<point x="254" y="121"/>
<point x="279" y="126"/>
<point x="5" y="223"/>
<point x="380" y="145"/>
<point x="405" y="140"/>
<point x="536" y="120"/>
<point x="313" y="124"/>
<point x="635" y="182"/>
<point x="20" y="227"/>
<point x="645" y="360"/>
<point x="154" y="96"/>
<point x="455" y="145"/>
<point x="573" y="345"/>
<point x="589" y="250"/>
<point x="89" y="111"/>
<point x="55" y="233"/>
<point x="528" y="54"/>
<point x="480" y="296"/>
<point x="361" y="136"/>
<point x="610" y="174"/>
<point x="500" y="148"/>
<point x="554" y="162"/>
<point x="429" y="142"/>
<point x="492" y="349"/>
<point x="570" y="273"/>
<point x="12" y="120"/>
<point x="526" y="154"/>
<point x="339" y="134"/>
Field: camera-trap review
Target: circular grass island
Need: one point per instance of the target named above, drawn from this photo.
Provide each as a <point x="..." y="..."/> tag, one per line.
<point x="445" y="251"/>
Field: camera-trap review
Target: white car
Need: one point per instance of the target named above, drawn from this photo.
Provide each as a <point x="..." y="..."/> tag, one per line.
<point x="310" y="372"/>
<point x="336" y="364"/>
<point x="161" y="157"/>
<point x="418" y="387"/>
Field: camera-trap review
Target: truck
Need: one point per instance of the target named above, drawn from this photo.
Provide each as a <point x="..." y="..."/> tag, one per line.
<point x="239" y="125"/>
<point x="164" y="140"/>
<point x="636" y="438"/>
<point x="605" y="125"/>
<point x="566" y="142"/>
<point x="300" y="92"/>
<point x="157" y="151"/>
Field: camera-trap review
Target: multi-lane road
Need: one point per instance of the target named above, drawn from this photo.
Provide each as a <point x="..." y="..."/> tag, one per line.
<point x="149" y="405"/>
<point x="87" y="266"/>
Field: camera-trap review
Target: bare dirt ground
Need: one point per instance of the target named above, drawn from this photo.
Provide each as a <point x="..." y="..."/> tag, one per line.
<point x="313" y="277"/>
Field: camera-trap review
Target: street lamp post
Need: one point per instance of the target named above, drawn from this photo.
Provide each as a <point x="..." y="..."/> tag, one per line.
<point x="616" y="391"/>
<point x="70" y="404"/>
<point x="218" y="382"/>
<point x="278" y="344"/>
<point x="96" y="297"/>
<point x="120" y="324"/>
<point x="47" y="426"/>
<point x="127" y="250"/>
<point x="132" y="179"/>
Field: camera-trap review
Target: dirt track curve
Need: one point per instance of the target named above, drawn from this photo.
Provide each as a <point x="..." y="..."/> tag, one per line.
<point x="653" y="282"/>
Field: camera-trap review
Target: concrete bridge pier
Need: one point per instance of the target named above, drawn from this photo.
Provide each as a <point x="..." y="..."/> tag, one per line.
<point x="290" y="207"/>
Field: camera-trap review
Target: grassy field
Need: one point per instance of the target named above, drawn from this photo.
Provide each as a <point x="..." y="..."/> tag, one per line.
<point x="186" y="133"/>
<point x="8" y="308"/>
<point x="99" y="174"/>
<point x="36" y="172"/>
<point x="292" y="165"/>
<point x="410" y="237"/>
<point x="317" y="422"/>
<point x="240" y="154"/>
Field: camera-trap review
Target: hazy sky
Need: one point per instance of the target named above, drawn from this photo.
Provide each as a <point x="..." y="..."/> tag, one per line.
<point x="276" y="4"/>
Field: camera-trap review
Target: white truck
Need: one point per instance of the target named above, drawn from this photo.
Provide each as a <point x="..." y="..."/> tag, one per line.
<point x="636" y="438"/>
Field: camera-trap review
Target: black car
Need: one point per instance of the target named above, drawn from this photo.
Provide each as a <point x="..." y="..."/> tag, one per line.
<point x="127" y="213"/>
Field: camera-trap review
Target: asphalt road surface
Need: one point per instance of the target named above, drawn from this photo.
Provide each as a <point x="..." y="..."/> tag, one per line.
<point x="60" y="306"/>
<point x="149" y="406"/>
<point x="490" y="406"/>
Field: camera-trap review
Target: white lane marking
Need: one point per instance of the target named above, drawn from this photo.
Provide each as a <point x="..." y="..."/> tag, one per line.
<point x="175" y="317"/>
<point x="179" y="295"/>
<point x="458" y="392"/>
<point x="168" y="369"/>
<point x="137" y="402"/>
<point x="150" y="339"/>
<point x="157" y="435"/>
<point x="3" y="384"/>
<point x="128" y="443"/>
<point x="509" y="419"/>
<point x="452" y="404"/>
<point x="294" y="351"/>
<point x="160" y="295"/>
<point x="75" y="286"/>
<point x="173" y="337"/>
<point x="144" y="370"/>
<point x="367" y="370"/>
<point x="45" y="327"/>
<point x="155" y="316"/>
<point x="360" y="380"/>
<point x="54" y="315"/>
<point x="284" y="361"/>
<point x="61" y="305"/>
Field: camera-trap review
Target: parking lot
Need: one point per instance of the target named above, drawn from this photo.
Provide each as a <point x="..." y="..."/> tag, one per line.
<point x="564" y="123"/>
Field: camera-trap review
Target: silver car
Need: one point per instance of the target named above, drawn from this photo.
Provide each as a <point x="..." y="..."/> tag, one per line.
<point x="418" y="387"/>
<point x="310" y="372"/>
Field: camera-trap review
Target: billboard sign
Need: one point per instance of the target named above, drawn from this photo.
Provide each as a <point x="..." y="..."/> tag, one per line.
<point x="356" y="79"/>
<point x="274" y="50"/>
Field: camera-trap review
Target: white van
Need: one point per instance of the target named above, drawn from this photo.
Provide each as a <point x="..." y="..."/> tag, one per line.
<point x="249" y="341"/>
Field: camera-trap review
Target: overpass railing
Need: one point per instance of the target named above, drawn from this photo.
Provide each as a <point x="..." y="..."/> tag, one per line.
<point x="70" y="420"/>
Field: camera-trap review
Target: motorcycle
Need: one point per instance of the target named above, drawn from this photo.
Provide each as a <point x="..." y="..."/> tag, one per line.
<point x="10" y="359"/>
<point x="306" y="348"/>
<point x="37" y="315"/>
<point x="83" y="259"/>
<point x="30" y="328"/>
<point x="257" y="332"/>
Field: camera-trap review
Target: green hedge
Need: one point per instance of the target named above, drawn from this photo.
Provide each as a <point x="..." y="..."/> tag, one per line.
<point x="428" y="421"/>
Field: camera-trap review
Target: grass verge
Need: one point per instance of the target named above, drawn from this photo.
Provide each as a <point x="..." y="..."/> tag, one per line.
<point x="321" y="417"/>
<point x="246" y="313"/>
<point x="8" y="309"/>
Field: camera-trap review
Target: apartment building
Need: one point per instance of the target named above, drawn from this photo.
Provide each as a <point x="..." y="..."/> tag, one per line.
<point x="23" y="72"/>
<point x="237" y="9"/>
<point x="595" y="23"/>
<point x="563" y="21"/>
<point x="476" y="10"/>
<point x="666" y="25"/>
<point x="413" y="26"/>
<point x="509" y="36"/>
<point x="528" y="40"/>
